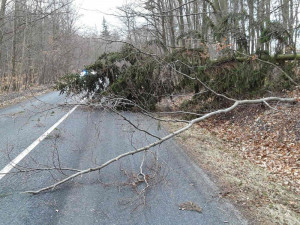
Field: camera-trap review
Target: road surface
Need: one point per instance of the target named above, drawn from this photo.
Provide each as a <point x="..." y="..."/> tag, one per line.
<point x="86" y="139"/>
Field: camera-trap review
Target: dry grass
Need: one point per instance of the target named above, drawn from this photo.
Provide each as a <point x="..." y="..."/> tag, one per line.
<point x="262" y="199"/>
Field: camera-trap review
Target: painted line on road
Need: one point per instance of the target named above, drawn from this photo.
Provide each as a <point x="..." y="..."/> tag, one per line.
<point x="22" y="155"/>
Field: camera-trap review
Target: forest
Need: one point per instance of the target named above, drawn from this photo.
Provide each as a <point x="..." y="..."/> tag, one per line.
<point x="40" y="42"/>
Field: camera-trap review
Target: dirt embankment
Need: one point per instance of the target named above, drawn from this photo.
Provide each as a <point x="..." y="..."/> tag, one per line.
<point x="253" y="154"/>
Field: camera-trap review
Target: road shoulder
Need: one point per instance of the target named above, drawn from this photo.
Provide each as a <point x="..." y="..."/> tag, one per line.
<point x="249" y="187"/>
<point x="11" y="98"/>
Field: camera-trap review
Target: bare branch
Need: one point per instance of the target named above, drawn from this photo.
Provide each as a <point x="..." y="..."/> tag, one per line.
<point x="132" y="124"/>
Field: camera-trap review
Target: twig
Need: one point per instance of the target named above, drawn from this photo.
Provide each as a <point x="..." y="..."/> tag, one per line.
<point x="132" y="124"/>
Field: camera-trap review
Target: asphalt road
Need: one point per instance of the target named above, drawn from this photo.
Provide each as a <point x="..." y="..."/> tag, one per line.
<point x="86" y="139"/>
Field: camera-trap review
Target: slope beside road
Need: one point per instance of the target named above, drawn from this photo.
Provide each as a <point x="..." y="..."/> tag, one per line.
<point x="88" y="138"/>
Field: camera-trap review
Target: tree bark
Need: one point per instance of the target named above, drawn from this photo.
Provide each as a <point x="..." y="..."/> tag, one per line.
<point x="2" y="24"/>
<point x="181" y="24"/>
<point x="171" y="25"/>
<point x="14" y="47"/>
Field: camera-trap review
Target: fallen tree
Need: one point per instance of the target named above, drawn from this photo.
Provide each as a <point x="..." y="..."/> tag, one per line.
<point x="138" y="79"/>
<point x="163" y="139"/>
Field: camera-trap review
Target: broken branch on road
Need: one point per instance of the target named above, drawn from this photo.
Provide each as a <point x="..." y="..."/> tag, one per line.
<point x="163" y="139"/>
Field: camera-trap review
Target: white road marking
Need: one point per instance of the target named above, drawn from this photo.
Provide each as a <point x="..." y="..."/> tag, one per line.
<point x="22" y="155"/>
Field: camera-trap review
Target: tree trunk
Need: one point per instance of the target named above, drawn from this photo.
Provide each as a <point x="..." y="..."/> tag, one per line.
<point x="21" y="72"/>
<point x="171" y="25"/>
<point x="161" y="8"/>
<point x="251" y="25"/>
<point x="181" y="24"/>
<point x="189" y="23"/>
<point x="14" y="47"/>
<point x="2" y="24"/>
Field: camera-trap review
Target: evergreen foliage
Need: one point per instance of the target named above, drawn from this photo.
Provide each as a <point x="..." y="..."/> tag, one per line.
<point x="133" y="75"/>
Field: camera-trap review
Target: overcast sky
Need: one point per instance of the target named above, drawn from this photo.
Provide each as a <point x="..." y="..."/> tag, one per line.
<point x="91" y="12"/>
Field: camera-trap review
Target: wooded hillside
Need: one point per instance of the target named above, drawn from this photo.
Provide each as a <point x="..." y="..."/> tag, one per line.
<point x="39" y="42"/>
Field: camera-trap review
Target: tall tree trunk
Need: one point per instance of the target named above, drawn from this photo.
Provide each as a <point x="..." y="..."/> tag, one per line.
<point x="260" y="20"/>
<point x="243" y="24"/>
<point x="181" y="24"/>
<point x="161" y="8"/>
<point x="189" y="23"/>
<point x="2" y="24"/>
<point x="268" y="19"/>
<point x="196" y="22"/>
<point x="14" y="47"/>
<point x="204" y="30"/>
<point x="251" y="25"/>
<point x="21" y="71"/>
<point x="171" y="24"/>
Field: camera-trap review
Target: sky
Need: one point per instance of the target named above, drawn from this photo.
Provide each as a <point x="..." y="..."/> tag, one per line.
<point x="92" y="12"/>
